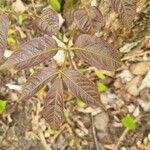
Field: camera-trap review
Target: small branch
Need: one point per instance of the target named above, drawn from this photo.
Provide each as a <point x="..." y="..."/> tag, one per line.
<point x="133" y="56"/>
<point x="121" y="138"/>
<point x="94" y="134"/>
<point x="4" y="135"/>
<point x="43" y="141"/>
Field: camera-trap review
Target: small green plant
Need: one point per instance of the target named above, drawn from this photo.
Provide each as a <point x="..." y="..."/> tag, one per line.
<point x="86" y="46"/>
<point x="101" y="87"/>
<point x="2" y="106"/>
<point x="129" y="122"/>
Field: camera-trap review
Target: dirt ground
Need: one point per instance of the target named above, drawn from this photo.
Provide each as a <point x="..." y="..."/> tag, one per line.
<point x="128" y="92"/>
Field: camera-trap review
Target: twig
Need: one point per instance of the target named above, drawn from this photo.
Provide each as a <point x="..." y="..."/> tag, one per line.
<point x="94" y="134"/>
<point x="43" y="141"/>
<point x="121" y="138"/>
<point x="135" y="55"/>
<point x="4" y="135"/>
<point x="36" y="125"/>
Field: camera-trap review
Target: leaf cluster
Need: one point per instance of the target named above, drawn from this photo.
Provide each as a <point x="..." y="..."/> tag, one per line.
<point x="88" y="47"/>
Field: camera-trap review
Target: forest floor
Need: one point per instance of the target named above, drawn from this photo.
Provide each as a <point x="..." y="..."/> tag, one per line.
<point x="126" y="91"/>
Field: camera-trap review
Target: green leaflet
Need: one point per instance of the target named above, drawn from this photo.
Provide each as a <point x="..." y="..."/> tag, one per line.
<point x="55" y="4"/>
<point x="100" y="75"/>
<point x="2" y="106"/>
<point x="80" y="103"/>
<point x="101" y="87"/>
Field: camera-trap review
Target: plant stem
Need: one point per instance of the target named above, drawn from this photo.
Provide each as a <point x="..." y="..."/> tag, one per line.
<point x="12" y="12"/>
<point x="69" y="56"/>
<point x="94" y="134"/>
<point x="64" y="64"/>
<point x="34" y="8"/>
<point x="85" y="2"/>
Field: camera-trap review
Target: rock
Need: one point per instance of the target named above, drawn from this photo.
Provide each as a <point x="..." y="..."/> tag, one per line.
<point x="128" y="47"/>
<point x="19" y="6"/>
<point x="145" y="94"/>
<point x="13" y="96"/>
<point x="149" y="136"/>
<point x="145" y="82"/>
<point x="103" y="137"/>
<point x="140" y="68"/>
<point x="145" y="105"/>
<point x="108" y="98"/>
<point x="119" y="103"/>
<point x="60" y="143"/>
<point x="80" y="133"/>
<point x="21" y="80"/>
<point x="94" y="2"/>
<point x="14" y="87"/>
<point x="118" y="84"/>
<point x="133" y="85"/>
<point x="125" y="76"/>
<point x="60" y="57"/>
<point x="131" y="108"/>
<point x="136" y="112"/>
<point x="145" y="140"/>
<point x="101" y="121"/>
<point x="123" y="148"/>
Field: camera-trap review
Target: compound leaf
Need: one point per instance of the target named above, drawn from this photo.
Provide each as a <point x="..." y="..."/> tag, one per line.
<point x="48" y="22"/>
<point x="97" y="52"/>
<point x="88" y="20"/>
<point x="81" y="87"/>
<point x="54" y="105"/>
<point x="37" y="80"/>
<point x="126" y="10"/>
<point x="4" y="25"/>
<point x="32" y="52"/>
